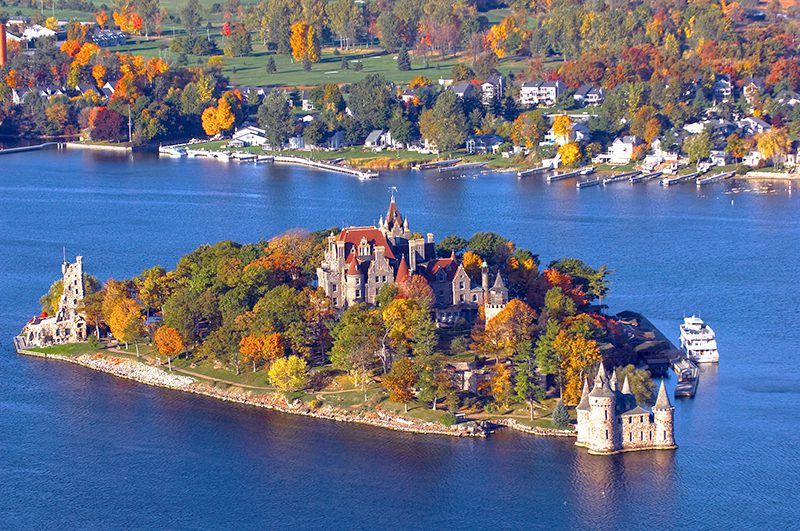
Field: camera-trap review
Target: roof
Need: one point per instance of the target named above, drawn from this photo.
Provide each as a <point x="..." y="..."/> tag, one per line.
<point x="374" y="136"/>
<point x="494" y="79"/>
<point x="352" y="265"/>
<point x="462" y="87"/>
<point x="584" y="403"/>
<point x="499" y="285"/>
<point x="448" y="265"/>
<point x="393" y="215"/>
<point x="402" y="271"/>
<point x="352" y="237"/>
<point x="584" y="90"/>
<point x="638" y="410"/>
<point x="662" y="402"/>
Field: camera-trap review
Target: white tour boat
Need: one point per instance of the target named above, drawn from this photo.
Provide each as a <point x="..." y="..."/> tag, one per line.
<point x="698" y="341"/>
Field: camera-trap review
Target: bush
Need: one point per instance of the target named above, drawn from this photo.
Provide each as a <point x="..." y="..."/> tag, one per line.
<point x="448" y="419"/>
<point x="93" y="342"/>
<point x="560" y="415"/>
<point x="315" y="403"/>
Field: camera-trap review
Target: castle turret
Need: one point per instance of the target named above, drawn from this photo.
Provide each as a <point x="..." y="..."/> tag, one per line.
<point x="485" y="281"/>
<point x="663" y="419"/>
<point x="582" y="413"/>
<point x="613" y="381"/>
<point x="603" y="437"/>
<point x="403" y="273"/>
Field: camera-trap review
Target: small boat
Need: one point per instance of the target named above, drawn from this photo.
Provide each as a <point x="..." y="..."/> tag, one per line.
<point x="698" y="341"/>
<point x="172" y="151"/>
<point x="587" y="171"/>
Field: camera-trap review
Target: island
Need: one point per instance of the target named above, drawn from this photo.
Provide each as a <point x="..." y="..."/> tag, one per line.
<point x="376" y="325"/>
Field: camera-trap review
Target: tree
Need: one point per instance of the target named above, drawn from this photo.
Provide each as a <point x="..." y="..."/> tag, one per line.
<point x="401" y="127"/>
<point x="345" y="19"/>
<point x="251" y="348"/>
<point x="218" y="119"/>
<point x="125" y="321"/>
<point x="433" y="381"/>
<point x="451" y="244"/>
<point x="400" y="382"/>
<point x="191" y="16"/>
<point x="529" y="129"/>
<point x="289" y="374"/>
<point x="570" y="153"/>
<point x="698" y="147"/>
<point x="577" y="353"/>
<point x="774" y="144"/>
<point x="403" y="60"/>
<point x="560" y="415"/>
<point x="640" y="382"/>
<point x="500" y="385"/>
<point x="527" y="388"/>
<point x="303" y="42"/>
<point x="445" y="124"/>
<point x="472" y="263"/>
<point x="275" y="117"/>
<point x="169" y="343"/>
<point x="105" y="124"/>
<point x="271" y="68"/>
<point x="562" y="127"/>
<point x="371" y="102"/>
<point x="357" y="342"/>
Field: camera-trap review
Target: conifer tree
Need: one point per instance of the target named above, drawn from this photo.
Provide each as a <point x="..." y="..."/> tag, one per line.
<point x="403" y="60"/>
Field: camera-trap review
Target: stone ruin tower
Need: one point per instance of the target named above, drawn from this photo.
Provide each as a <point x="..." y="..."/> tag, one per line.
<point x="72" y="293"/>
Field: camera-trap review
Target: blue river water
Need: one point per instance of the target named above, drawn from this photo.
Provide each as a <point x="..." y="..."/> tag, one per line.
<point x="80" y="449"/>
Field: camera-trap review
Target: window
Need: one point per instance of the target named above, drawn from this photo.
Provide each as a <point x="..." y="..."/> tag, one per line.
<point x="630" y="436"/>
<point x="335" y="301"/>
<point x="641" y="418"/>
<point x="358" y="281"/>
<point x="461" y="298"/>
<point x="474" y="298"/>
<point x="641" y="435"/>
<point x="630" y="420"/>
<point x="377" y="279"/>
<point x="461" y="285"/>
<point x="606" y="434"/>
<point x="384" y="278"/>
<point x="333" y="288"/>
<point x="665" y="435"/>
<point x="605" y="414"/>
<point x="358" y="293"/>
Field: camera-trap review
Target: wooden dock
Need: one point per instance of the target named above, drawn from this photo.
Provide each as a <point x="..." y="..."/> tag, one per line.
<point x="620" y="177"/>
<point x="463" y="166"/>
<point x="645" y="177"/>
<point x="534" y="171"/>
<point x="564" y="175"/>
<point x="436" y="165"/>
<point x="702" y="181"/>
<point x="361" y="174"/>
<point x="669" y="181"/>
<point x="587" y="184"/>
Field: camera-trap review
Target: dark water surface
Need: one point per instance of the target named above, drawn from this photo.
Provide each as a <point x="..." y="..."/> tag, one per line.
<point x="80" y="449"/>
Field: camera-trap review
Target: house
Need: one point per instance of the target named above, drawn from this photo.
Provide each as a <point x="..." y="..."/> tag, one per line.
<point x="752" y="88"/>
<point x="484" y="143"/>
<point x="375" y="139"/>
<point x="659" y="155"/>
<point x="250" y="136"/>
<point x="589" y="95"/>
<point x="18" y="95"/>
<point x="719" y="157"/>
<point x="306" y="103"/>
<point x="579" y="133"/>
<point x="109" y="88"/>
<point x="493" y="89"/>
<point x="336" y="140"/>
<point x="541" y="92"/>
<point x="719" y="125"/>
<point x="464" y="90"/>
<point x="788" y="97"/>
<point x="754" y="158"/>
<point x="753" y="125"/>
<point x="408" y="95"/>
<point x="791" y="158"/>
<point x="722" y="89"/>
<point x="31" y="33"/>
<point x="621" y="150"/>
<point x="297" y="142"/>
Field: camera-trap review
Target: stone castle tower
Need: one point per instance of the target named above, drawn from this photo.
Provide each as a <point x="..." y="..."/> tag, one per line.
<point x="495" y="298"/>
<point x="610" y="421"/>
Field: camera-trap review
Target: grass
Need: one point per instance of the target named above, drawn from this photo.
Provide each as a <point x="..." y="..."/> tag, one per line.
<point x="71" y="349"/>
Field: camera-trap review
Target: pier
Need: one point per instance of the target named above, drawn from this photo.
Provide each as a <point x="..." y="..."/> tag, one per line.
<point x="463" y="166"/>
<point x="669" y="181"/>
<point x="361" y="174"/>
<point x="688" y="375"/>
<point x="542" y="169"/>
<point x="645" y="177"/>
<point x="620" y="177"/>
<point x="561" y="176"/>
<point x="436" y="165"/>
<point x="702" y="181"/>
<point x="586" y="184"/>
<point x="22" y="149"/>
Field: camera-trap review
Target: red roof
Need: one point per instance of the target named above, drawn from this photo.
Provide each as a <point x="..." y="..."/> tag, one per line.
<point x="449" y="265"/>
<point x="352" y="236"/>
<point x="393" y="216"/>
<point x="402" y="271"/>
<point x="352" y="265"/>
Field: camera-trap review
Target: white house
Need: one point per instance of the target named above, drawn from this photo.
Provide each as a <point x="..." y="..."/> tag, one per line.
<point x="250" y="136"/>
<point x="36" y="31"/>
<point x="753" y="125"/>
<point x="375" y="139"/>
<point x="752" y="89"/>
<point x="753" y="158"/>
<point x="722" y="89"/>
<point x="492" y="89"/>
<point x="589" y="95"/>
<point x="307" y="104"/>
<point x="484" y="143"/>
<point x="541" y="92"/>
<point x="620" y="151"/>
<point x="719" y="157"/>
<point x="579" y="133"/>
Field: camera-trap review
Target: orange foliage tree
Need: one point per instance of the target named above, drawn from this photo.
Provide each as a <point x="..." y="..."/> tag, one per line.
<point x="577" y="353"/>
<point x="101" y="17"/>
<point x="169" y="343"/>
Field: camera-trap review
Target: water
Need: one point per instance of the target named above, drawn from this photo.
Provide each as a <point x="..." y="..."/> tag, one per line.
<point x="80" y="449"/>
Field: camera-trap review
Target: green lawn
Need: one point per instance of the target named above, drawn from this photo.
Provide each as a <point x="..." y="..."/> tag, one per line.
<point x="71" y="349"/>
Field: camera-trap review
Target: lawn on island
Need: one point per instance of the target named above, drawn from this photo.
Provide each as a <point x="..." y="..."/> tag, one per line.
<point x="339" y="392"/>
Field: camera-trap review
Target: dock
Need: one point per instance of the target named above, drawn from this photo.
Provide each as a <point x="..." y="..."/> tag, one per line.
<point x="586" y="184"/>
<point x="22" y="149"/>
<point x="620" y="177"/>
<point x="645" y="177"/>
<point x="688" y="375"/>
<point x="436" y="165"/>
<point x="702" y="181"/>
<point x="361" y="174"/>
<point x="534" y="171"/>
<point x="669" y="181"/>
<point x="561" y="176"/>
<point x="463" y="166"/>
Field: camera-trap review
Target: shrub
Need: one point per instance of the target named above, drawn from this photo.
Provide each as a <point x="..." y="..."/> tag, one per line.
<point x="448" y="419"/>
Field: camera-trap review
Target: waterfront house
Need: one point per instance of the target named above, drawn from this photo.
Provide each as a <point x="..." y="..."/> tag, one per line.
<point x="589" y="95"/>
<point x="375" y="139"/>
<point x="621" y="150"/>
<point x="484" y="144"/>
<point x="250" y="135"/>
<point x="541" y="92"/>
<point x="754" y="159"/>
<point x="493" y="89"/>
<point x="305" y="101"/>
<point x="408" y="95"/>
<point x="31" y="33"/>
<point x="579" y="133"/>
<point x="753" y="125"/>
<point x="719" y="157"/>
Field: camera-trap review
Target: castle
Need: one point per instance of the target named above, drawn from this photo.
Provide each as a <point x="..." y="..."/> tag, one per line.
<point x="610" y="421"/>
<point x="359" y="261"/>
<point x="68" y="325"/>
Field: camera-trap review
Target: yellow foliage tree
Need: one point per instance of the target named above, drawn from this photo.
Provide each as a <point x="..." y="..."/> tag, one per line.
<point x="576" y="353"/>
<point x="570" y="153"/>
<point x="562" y="126"/>
<point x="218" y="119"/>
<point x="501" y="385"/>
<point x="125" y="320"/>
<point x="299" y="40"/>
<point x="312" y="46"/>
<point x="289" y="374"/>
<point x="472" y="263"/>
<point x="774" y="144"/>
<point x="51" y="23"/>
<point x="99" y="74"/>
<point x="419" y="81"/>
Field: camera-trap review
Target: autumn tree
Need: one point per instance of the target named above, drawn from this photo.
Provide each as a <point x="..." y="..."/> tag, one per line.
<point x="289" y="374"/>
<point x="500" y="385"/>
<point x="304" y="42"/>
<point x="251" y="348"/>
<point x="509" y="330"/>
<point x="577" y="353"/>
<point x="570" y="154"/>
<point x="444" y="125"/>
<point x="357" y="343"/>
<point x="125" y="321"/>
<point x="529" y="129"/>
<point x="105" y="124"/>
<point x="433" y="381"/>
<point x="774" y="144"/>
<point x="562" y="127"/>
<point x="218" y="119"/>
<point x="640" y="382"/>
<point x="698" y="147"/>
<point x="400" y="382"/>
<point x="169" y="343"/>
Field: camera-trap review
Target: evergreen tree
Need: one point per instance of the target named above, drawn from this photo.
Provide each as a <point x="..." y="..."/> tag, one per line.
<point x="403" y="60"/>
<point x="271" y="68"/>
<point x="560" y="415"/>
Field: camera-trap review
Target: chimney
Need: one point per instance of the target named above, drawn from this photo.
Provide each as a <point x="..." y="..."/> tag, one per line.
<point x="3" y="51"/>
